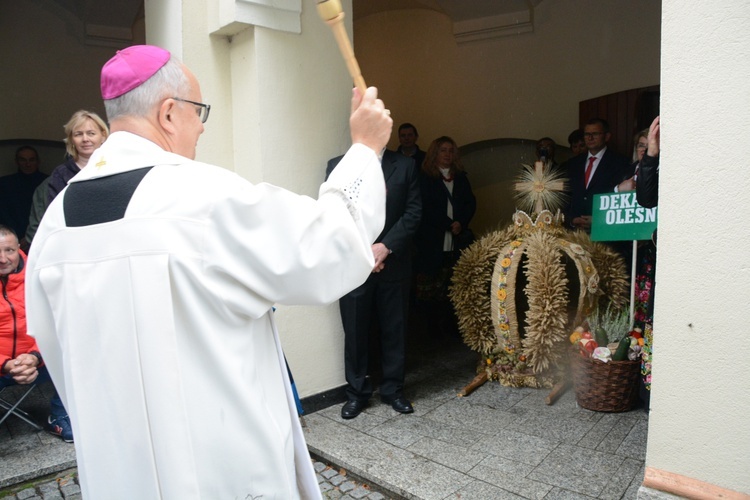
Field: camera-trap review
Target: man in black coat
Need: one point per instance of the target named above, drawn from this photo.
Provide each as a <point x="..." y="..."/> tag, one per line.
<point x="17" y="190"/>
<point x="385" y="293"/>
<point x="597" y="171"/>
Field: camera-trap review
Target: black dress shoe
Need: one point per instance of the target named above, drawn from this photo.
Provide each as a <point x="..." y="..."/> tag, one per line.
<point x="400" y="404"/>
<point x="352" y="408"/>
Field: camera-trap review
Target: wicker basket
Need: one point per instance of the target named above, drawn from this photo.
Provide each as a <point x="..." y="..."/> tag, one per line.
<point x="601" y="386"/>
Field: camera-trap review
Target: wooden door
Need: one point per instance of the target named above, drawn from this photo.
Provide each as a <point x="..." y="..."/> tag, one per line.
<point x="627" y="112"/>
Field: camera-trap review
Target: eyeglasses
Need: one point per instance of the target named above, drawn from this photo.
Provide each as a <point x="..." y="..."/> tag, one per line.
<point x="591" y="135"/>
<point x="203" y="109"/>
<point x="641" y="146"/>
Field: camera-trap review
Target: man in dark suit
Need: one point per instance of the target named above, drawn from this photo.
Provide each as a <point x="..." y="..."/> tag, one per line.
<point x="385" y="293"/>
<point x="596" y="172"/>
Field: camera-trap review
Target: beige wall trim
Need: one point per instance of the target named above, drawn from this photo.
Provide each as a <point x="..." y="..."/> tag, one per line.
<point x="687" y="487"/>
<point x="229" y="17"/>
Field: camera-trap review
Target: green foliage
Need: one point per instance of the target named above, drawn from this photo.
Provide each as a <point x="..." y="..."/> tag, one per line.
<point x="615" y="321"/>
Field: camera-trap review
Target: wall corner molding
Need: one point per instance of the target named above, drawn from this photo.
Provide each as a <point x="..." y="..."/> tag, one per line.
<point x="229" y="17"/>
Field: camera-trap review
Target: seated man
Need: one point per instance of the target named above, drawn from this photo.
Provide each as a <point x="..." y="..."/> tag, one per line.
<point x="20" y="361"/>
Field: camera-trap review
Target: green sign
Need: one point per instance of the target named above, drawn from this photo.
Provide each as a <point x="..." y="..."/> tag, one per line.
<point x="618" y="216"/>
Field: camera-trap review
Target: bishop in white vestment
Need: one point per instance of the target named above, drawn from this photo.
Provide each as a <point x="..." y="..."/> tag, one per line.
<point x="150" y="289"/>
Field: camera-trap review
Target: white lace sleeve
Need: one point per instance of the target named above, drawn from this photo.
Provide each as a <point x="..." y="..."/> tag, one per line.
<point x="358" y="181"/>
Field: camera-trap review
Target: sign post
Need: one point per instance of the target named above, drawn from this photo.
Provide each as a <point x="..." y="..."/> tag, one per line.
<point x="618" y="217"/>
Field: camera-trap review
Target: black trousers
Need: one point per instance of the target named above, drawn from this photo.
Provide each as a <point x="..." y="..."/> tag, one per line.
<point x="388" y="301"/>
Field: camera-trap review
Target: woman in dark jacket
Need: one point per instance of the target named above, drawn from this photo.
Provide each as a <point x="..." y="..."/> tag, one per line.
<point x="448" y="205"/>
<point x="84" y="133"/>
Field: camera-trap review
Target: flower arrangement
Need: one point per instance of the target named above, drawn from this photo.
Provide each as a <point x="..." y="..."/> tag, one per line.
<point x="646" y="355"/>
<point x="643" y="290"/>
<point x="628" y="347"/>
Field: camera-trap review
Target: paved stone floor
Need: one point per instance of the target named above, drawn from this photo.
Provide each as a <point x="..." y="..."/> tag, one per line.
<point x="26" y="454"/>
<point x="497" y="443"/>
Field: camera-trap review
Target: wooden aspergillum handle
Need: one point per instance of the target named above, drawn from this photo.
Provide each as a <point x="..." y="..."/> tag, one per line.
<point x="331" y="12"/>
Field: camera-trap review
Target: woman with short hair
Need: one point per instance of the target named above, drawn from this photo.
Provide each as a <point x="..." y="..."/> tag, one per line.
<point x="84" y="133"/>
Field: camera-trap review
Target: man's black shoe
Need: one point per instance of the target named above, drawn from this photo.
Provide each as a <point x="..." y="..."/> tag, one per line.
<point x="352" y="408"/>
<point x="400" y="404"/>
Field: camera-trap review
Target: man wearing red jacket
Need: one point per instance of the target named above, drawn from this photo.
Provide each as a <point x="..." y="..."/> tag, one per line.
<point x="19" y="355"/>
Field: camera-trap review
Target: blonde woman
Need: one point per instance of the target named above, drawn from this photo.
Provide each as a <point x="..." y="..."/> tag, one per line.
<point x="84" y="133"/>
<point x="448" y="205"/>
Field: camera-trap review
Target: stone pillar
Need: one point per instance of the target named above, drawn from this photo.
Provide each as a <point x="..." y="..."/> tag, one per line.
<point x="280" y="96"/>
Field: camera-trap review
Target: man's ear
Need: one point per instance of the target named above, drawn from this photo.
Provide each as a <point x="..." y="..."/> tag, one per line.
<point x="167" y="115"/>
<point x="607" y="136"/>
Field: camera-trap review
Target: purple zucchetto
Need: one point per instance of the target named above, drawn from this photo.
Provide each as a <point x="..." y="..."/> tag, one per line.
<point x="130" y="67"/>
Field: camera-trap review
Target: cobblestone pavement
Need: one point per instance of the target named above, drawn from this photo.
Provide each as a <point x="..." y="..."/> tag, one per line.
<point x="335" y="484"/>
<point x="63" y="486"/>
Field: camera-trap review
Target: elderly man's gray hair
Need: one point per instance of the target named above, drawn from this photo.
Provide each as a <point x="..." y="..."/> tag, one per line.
<point x="169" y="81"/>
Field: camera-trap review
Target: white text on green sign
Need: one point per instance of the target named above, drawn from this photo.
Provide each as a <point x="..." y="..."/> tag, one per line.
<point x="618" y="216"/>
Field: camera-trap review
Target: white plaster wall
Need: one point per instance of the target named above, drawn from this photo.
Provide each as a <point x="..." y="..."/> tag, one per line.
<point x="521" y="86"/>
<point x="304" y="92"/>
<point x="209" y="58"/>
<point x="161" y="26"/>
<point x="280" y="109"/>
<point x="699" y="424"/>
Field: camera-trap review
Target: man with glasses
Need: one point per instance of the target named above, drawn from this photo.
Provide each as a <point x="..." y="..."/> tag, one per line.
<point x="151" y="286"/>
<point x="598" y="171"/>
